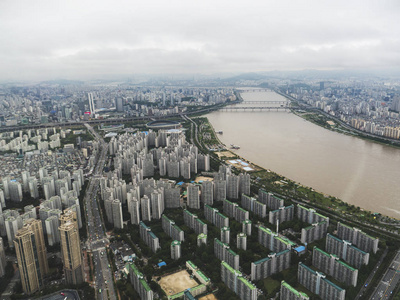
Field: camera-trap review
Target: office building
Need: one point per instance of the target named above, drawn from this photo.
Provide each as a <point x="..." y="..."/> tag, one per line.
<point x="71" y="249"/>
<point x="317" y="283"/>
<point x="331" y="265"/>
<point x="176" y="250"/>
<point x="223" y="252"/>
<point x="139" y="283"/>
<point x="289" y="293"/>
<point x="31" y="254"/>
<point x="346" y="251"/>
<point x="314" y="232"/>
<point x="282" y="214"/>
<point x="273" y="202"/>
<point x="235" y="281"/>
<point x="357" y="237"/>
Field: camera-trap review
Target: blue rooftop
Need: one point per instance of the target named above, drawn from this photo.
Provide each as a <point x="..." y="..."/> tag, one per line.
<point x="180" y="183"/>
<point x="161" y="264"/>
<point x="300" y="249"/>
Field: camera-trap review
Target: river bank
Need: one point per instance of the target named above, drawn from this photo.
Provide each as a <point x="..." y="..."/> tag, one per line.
<point x="284" y="186"/>
<point x="319" y="118"/>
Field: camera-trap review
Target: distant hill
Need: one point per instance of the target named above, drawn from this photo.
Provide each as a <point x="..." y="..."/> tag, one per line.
<point x="63" y="82"/>
<point x="247" y="76"/>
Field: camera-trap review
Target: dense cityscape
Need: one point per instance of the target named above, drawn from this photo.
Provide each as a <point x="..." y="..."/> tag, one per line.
<point x="144" y="206"/>
<point x="199" y="150"/>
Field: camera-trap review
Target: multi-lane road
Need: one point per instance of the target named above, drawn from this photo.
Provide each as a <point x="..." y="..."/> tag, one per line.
<point x="97" y="239"/>
<point x="389" y="280"/>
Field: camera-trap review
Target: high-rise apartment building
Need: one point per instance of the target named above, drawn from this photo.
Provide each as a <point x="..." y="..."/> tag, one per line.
<point x="225" y="235"/>
<point x="175" y="250"/>
<point x="241" y="241"/>
<point x="193" y="199"/>
<point x="71" y="249"/>
<point x="172" y="229"/>
<point x="192" y="221"/>
<point x="215" y="217"/>
<point x="357" y="237"/>
<point x="219" y="190"/>
<point x="282" y="214"/>
<point x="346" y="251"/>
<point x="331" y="265"/>
<point x="251" y="204"/>
<point x="31" y="253"/>
<point x="223" y="252"/>
<point x="273" y="202"/>
<point x="233" y="210"/>
<point x="273" y="263"/>
<point x="149" y="237"/>
<point x="289" y="293"/>
<point x="246" y="227"/>
<point x="235" y="281"/>
<point x="2" y="259"/>
<point x="117" y="214"/>
<point x="317" y="283"/>
<point x="314" y="232"/>
<point x="139" y="283"/>
<point x="207" y="194"/>
<point x="309" y="215"/>
<point x="273" y="241"/>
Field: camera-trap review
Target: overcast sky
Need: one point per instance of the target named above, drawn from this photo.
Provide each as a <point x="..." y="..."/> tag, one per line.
<point x="81" y="39"/>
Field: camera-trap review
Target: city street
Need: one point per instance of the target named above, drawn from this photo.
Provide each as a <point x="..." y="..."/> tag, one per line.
<point x="96" y="234"/>
<point x="389" y="280"/>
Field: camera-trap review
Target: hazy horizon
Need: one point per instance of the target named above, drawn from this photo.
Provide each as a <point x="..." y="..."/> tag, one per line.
<point x="82" y="40"/>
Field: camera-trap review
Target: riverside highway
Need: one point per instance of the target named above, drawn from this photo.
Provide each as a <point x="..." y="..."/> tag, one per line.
<point x="97" y="239"/>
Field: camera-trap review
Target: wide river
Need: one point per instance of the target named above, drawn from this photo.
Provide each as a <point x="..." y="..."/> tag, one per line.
<point x="356" y="171"/>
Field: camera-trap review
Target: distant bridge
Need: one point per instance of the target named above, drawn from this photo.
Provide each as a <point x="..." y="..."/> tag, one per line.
<point x="254" y="90"/>
<point x="265" y="102"/>
<point x="255" y="108"/>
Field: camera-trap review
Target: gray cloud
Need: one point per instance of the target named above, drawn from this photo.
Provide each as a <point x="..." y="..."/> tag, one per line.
<point x="85" y="39"/>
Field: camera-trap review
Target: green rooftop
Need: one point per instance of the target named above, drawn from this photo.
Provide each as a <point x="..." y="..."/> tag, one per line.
<point x="290" y="288"/>
<point x="230" y="269"/>
<point x="247" y="283"/>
